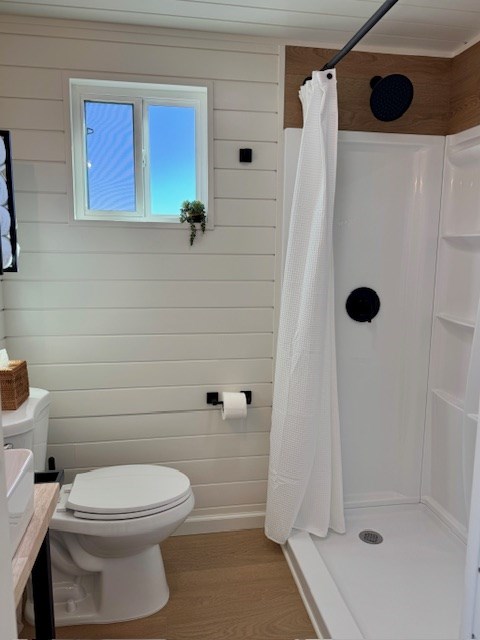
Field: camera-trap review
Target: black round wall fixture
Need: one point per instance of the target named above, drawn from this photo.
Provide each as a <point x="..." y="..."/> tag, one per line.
<point x="363" y="304"/>
<point x="391" y="96"/>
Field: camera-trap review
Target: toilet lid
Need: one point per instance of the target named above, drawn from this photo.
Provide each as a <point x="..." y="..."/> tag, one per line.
<point x="127" y="489"/>
<point x="129" y="516"/>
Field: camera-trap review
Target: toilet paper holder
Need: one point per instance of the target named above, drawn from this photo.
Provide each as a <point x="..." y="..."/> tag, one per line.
<point x="212" y="397"/>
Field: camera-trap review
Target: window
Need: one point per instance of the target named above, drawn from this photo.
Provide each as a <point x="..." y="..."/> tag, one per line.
<point x="139" y="150"/>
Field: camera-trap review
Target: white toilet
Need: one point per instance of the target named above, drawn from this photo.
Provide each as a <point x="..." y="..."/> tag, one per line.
<point x="106" y="530"/>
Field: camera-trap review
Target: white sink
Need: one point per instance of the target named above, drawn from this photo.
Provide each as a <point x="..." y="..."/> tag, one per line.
<point x="19" y="474"/>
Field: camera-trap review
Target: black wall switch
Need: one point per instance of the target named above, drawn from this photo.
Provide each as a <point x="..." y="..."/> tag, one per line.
<point x="245" y="155"/>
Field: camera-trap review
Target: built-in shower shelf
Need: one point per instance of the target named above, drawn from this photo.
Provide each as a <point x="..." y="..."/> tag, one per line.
<point x="453" y="401"/>
<point x="460" y="322"/>
<point x="475" y="237"/>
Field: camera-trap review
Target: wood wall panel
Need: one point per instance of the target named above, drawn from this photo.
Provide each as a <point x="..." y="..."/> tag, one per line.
<point x="39" y="177"/>
<point x="45" y="146"/>
<point x="27" y="113"/>
<point x="241" y="96"/>
<point x="106" y="294"/>
<point x="140" y="348"/>
<point x="428" y="114"/>
<point x="245" y="125"/>
<point x="78" y="54"/>
<point x="63" y="238"/>
<point x="160" y="450"/>
<point x="140" y="400"/>
<point x="181" y="423"/>
<point x="138" y="34"/>
<point x="229" y="212"/>
<point x="236" y="469"/>
<point x="44" y="84"/>
<point x="465" y="90"/>
<point x="208" y="473"/>
<point x="123" y="322"/>
<point x="134" y="266"/>
<point x="149" y="374"/>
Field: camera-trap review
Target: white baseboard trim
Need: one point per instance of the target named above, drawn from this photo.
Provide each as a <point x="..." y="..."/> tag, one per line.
<point x="223" y="522"/>
<point x="380" y="501"/>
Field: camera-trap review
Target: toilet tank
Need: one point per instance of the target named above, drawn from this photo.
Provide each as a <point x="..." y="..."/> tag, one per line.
<point x="27" y="426"/>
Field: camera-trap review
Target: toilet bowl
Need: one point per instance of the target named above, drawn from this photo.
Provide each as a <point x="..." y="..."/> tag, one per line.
<point x="106" y="529"/>
<point x="105" y="535"/>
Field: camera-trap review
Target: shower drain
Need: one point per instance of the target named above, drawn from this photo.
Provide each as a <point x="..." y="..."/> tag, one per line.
<point x="371" y="537"/>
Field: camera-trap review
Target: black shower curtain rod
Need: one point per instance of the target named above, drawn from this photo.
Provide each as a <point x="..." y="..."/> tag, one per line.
<point x="371" y="22"/>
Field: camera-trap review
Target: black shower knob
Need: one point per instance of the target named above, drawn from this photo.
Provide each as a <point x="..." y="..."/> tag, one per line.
<point x="363" y="304"/>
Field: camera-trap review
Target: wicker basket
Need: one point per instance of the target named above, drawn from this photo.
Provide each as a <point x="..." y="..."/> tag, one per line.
<point x="14" y="385"/>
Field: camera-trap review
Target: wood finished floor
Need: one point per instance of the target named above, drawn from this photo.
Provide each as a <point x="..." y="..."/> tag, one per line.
<point x="223" y="586"/>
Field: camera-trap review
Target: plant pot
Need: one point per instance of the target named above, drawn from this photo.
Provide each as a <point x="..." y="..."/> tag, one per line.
<point x="196" y="218"/>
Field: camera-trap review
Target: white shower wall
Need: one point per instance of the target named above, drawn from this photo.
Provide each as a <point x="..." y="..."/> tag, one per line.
<point x="450" y="433"/>
<point x="385" y="237"/>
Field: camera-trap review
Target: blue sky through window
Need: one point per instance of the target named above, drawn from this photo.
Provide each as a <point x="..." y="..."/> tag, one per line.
<point x="172" y="157"/>
<point x="110" y="156"/>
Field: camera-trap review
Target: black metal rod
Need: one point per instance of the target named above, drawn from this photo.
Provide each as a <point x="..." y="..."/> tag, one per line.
<point x="371" y="22"/>
<point x="43" y="593"/>
<point x="213" y="397"/>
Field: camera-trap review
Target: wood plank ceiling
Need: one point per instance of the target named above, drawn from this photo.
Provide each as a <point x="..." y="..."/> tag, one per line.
<point x="429" y="27"/>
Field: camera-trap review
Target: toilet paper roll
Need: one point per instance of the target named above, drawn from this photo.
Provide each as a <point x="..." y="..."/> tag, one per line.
<point x="234" y="406"/>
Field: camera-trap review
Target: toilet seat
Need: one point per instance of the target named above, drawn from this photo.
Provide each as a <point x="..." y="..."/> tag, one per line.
<point x="127" y="491"/>
<point x="86" y="515"/>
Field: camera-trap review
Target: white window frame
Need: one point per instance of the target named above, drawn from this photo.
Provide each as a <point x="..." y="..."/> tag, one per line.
<point x="141" y="95"/>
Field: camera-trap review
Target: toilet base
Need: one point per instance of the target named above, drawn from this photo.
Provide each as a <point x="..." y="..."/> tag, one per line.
<point x="126" y="589"/>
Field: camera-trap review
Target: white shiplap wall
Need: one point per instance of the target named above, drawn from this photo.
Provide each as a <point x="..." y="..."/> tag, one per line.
<point x="128" y="326"/>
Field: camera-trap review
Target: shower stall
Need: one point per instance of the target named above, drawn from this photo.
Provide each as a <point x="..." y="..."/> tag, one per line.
<point x="406" y="225"/>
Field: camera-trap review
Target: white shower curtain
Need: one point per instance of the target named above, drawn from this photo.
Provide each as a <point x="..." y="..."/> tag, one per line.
<point x="305" y="475"/>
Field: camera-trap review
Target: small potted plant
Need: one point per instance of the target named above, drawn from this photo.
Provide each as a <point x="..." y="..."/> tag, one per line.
<point x="193" y="213"/>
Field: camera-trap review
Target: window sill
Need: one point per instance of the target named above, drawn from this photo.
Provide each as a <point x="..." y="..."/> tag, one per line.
<point x="137" y="223"/>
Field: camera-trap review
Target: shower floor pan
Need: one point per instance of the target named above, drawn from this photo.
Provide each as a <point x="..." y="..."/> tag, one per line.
<point x="407" y="587"/>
